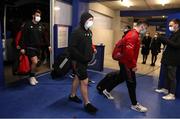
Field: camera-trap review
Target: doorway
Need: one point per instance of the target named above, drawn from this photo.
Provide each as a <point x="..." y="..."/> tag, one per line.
<point x="16" y="13"/>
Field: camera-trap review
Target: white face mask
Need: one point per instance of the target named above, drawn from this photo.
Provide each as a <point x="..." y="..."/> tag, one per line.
<point x="88" y="24"/>
<point x="37" y="18"/>
<point x="147" y="34"/>
<point x="143" y="31"/>
<point x="171" y="29"/>
<point x="125" y="30"/>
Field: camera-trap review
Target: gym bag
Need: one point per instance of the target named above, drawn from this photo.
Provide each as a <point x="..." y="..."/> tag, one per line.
<point x="24" y="65"/>
<point x="62" y="65"/>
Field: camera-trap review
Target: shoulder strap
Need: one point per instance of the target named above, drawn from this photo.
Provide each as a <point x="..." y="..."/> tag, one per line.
<point x="132" y="33"/>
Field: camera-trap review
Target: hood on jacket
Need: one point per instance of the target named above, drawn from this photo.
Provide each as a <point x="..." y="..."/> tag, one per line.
<point x="84" y="17"/>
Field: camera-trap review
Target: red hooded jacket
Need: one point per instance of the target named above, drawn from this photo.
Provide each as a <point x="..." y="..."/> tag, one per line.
<point x="131" y="51"/>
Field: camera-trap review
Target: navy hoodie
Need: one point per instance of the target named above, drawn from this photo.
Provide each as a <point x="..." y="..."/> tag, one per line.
<point x="80" y="45"/>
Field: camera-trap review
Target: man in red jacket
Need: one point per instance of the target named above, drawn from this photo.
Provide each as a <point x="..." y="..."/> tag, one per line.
<point x="128" y="64"/>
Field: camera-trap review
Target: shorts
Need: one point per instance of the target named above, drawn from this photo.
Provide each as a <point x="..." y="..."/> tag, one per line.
<point x="80" y="70"/>
<point x="31" y="52"/>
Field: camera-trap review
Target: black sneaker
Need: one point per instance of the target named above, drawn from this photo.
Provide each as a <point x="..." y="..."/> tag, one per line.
<point x="152" y="64"/>
<point x="75" y="99"/>
<point x="90" y="108"/>
<point x="143" y="62"/>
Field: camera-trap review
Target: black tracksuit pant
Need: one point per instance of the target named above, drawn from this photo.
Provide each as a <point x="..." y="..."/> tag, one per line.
<point x="170" y="78"/>
<point x="115" y="78"/>
<point x="168" y="75"/>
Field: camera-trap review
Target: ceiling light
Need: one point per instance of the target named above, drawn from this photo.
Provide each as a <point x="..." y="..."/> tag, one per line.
<point x="163" y="2"/>
<point x="126" y="3"/>
<point x="163" y="16"/>
<point x="56" y="8"/>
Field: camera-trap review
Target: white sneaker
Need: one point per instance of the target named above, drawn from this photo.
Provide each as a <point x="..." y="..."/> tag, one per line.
<point x="35" y="80"/>
<point x="162" y="90"/>
<point x="170" y="96"/>
<point x="72" y="75"/>
<point x="108" y="95"/>
<point x="91" y="81"/>
<point x="139" y="108"/>
<point x="32" y="81"/>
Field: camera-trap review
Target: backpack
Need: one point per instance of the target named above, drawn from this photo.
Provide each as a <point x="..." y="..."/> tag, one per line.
<point x="62" y="65"/>
<point x="119" y="49"/>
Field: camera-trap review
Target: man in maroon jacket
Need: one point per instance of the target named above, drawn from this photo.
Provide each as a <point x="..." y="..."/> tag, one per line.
<point x="128" y="64"/>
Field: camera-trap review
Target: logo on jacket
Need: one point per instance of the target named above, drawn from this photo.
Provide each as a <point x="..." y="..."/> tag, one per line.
<point x="40" y="28"/>
<point x="88" y="34"/>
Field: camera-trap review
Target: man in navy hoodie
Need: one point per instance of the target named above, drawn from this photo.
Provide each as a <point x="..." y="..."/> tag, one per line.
<point x="81" y="53"/>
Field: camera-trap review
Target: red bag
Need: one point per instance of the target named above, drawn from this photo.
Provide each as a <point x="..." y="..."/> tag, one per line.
<point x="24" y="64"/>
<point x="118" y="52"/>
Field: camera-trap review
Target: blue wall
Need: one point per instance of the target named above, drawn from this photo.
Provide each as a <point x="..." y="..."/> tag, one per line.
<point x="79" y="6"/>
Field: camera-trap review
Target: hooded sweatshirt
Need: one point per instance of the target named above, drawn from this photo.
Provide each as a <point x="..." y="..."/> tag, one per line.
<point x="80" y="45"/>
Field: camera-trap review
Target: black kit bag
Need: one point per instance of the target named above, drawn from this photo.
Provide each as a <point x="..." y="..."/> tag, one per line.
<point x="110" y="81"/>
<point x="62" y="65"/>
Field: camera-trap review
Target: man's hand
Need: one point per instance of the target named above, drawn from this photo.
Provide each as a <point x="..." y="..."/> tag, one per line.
<point x="142" y="45"/>
<point x="22" y="51"/>
<point x="134" y="69"/>
<point x="18" y="47"/>
<point x="95" y="51"/>
<point x="50" y="49"/>
<point x="163" y="40"/>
